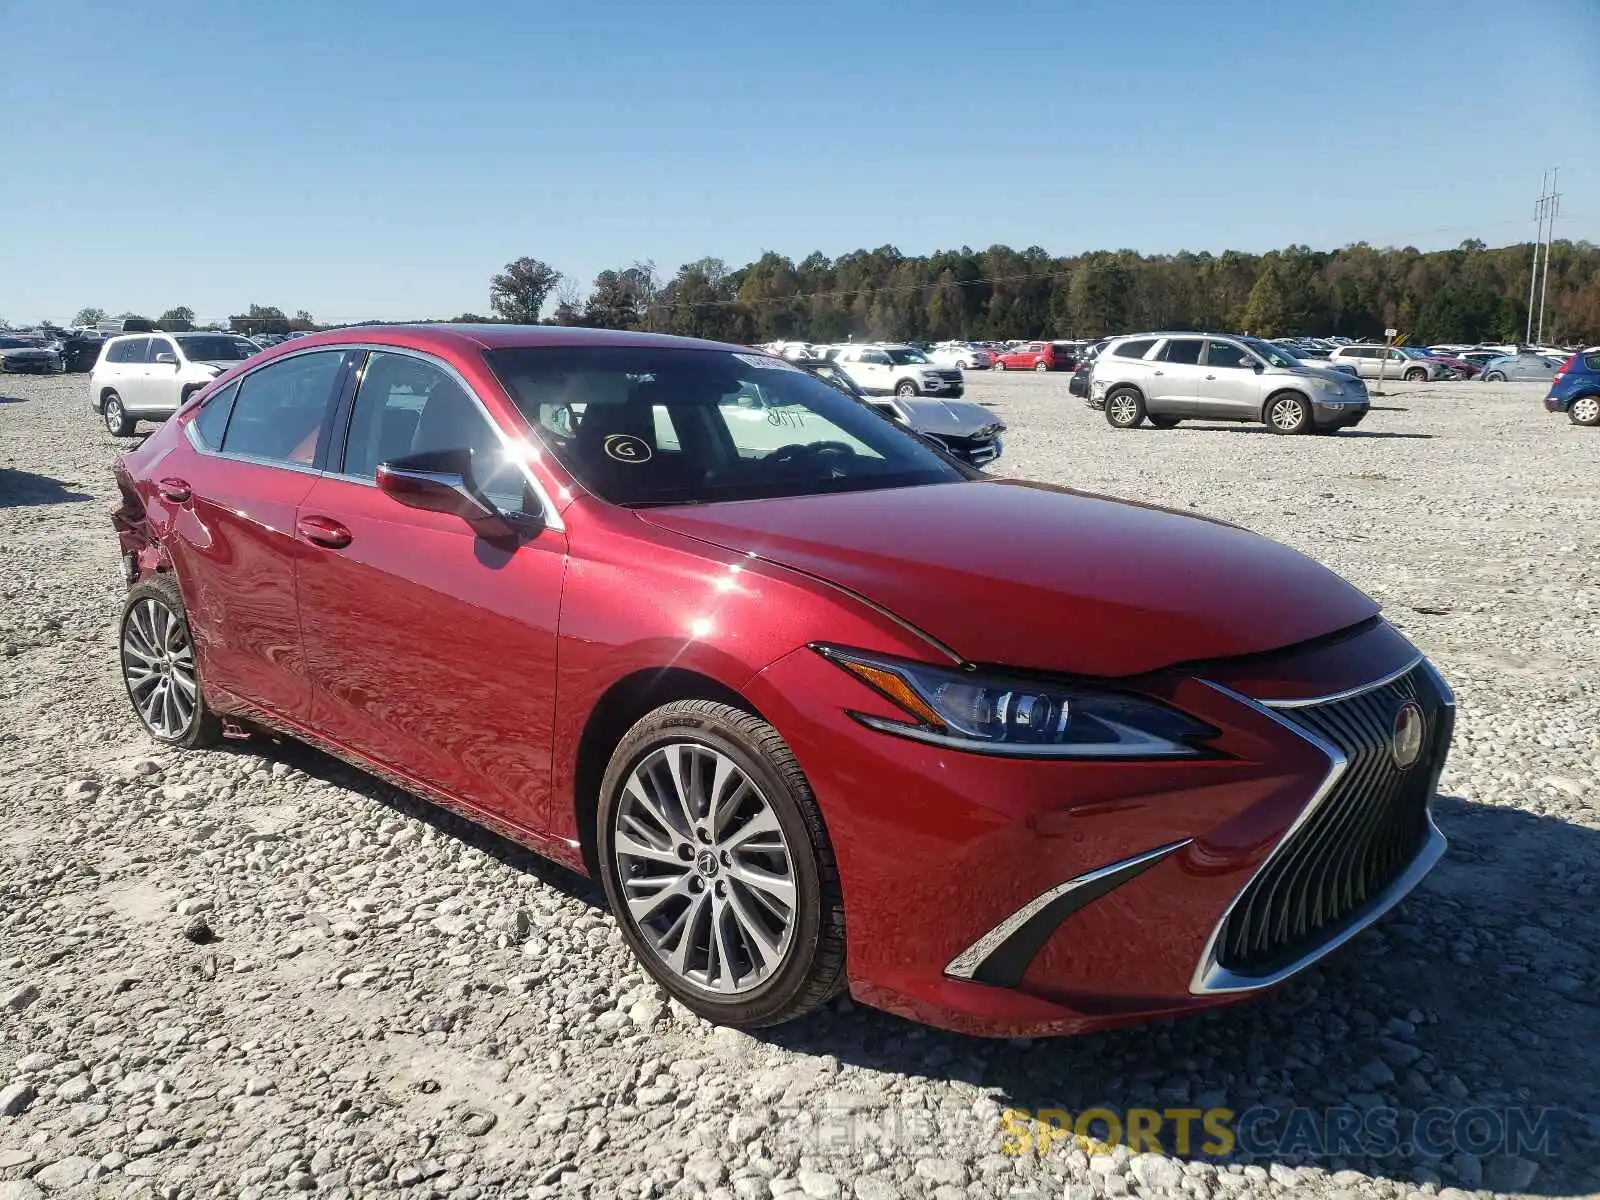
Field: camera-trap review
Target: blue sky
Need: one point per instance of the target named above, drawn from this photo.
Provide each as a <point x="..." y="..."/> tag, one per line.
<point x="361" y="159"/>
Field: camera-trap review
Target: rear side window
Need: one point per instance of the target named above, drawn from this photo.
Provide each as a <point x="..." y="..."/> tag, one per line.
<point x="1182" y="350"/>
<point x="130" y="351"/>
<point x="281" y="409"/>
<point x="212" y="418"/>
<point x="1592" y="360"/>
<point x="1134" y="349"/>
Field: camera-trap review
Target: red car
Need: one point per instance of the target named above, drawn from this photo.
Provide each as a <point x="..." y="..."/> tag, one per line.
<point x="820" y="706"/>
<point x="1034" y="356"/>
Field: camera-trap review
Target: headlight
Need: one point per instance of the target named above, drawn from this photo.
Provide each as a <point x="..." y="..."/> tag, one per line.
<point x="993" y="715"/>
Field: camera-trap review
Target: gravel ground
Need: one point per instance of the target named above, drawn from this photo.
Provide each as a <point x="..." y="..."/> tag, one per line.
<point x="255" y="971"/>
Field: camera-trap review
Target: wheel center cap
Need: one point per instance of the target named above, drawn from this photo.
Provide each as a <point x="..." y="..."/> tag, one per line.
<point x="706" y="863"/>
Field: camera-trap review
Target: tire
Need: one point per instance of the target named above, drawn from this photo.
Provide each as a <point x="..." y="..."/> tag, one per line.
<point x="907" y="388"/>
<point x="156" y="657"/>
<point x="118" y="422"/>
<point x="803" y="965"/>
<point x="1041" y="366"/>
<point x="1495" y="377"/>
<point x="963" y="365"/>
<point x="1125" y="408"/>
<point x="1585" y="410"/>
<point x="1165" y="422"/>
<point x="1287" y="413"/>
<point x="998" y="365"/>
<point x="1416" y="375"/>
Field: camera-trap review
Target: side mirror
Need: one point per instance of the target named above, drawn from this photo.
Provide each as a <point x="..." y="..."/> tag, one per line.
<point x="441" y="481"/>
<point x="166" y="360"/>
<point x="1257" y="367"/>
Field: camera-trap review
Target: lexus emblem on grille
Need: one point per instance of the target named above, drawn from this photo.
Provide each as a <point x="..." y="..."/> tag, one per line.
<point x="1406" y="743"/>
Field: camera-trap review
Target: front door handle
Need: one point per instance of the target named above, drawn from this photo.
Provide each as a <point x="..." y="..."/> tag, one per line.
<point x="1210" y="376"/>
<point x="1160" y="372"/>
<point x="174" y="489"/>
<point x="324" y="531"/>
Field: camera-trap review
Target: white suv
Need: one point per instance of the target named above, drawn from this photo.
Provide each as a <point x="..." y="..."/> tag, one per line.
<point x="898" y="371"/>
<point x="150" y="375"/>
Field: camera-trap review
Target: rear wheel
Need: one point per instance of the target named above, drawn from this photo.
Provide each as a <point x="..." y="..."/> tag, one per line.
<point x="1585" y="410"/>
<point x="1495" y="377"/>
<point x="1039" y="366"/>
<point x="1288" y="413"/>
<point x="1125" y="408"/>
<point x="117" y="420"/>
<point x="158" y="666"/>
<point x="717" y="865"/>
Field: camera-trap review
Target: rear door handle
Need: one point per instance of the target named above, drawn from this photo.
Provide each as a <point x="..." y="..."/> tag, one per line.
<point x="174" y="489"/>
<point x="324" y="531"/>
<point x="1160" y="372"/>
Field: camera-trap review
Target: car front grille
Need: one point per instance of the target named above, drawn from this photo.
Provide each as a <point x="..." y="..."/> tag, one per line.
<point x="1357" y="841"/>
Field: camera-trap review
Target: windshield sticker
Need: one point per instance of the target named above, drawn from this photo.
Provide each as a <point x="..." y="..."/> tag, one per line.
<point x="766" y="362"/>
<point x="625" y="448"/>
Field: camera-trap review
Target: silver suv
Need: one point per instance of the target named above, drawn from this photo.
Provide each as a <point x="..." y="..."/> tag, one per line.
<point x="1389" y="362"/>
<point x="1172" y="377"/>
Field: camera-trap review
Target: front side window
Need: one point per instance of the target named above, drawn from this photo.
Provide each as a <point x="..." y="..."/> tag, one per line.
<point x="1226" y="354"/>
<point x="905" y="356"/>
<point x="645" y="425"/>
<point x="408" y="406"/>
<point x="281" y="409"/>
<point x="162" y="351"/>
<point x="1182" y="350"/>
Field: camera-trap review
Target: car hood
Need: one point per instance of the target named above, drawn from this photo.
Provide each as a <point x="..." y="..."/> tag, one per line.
<point x="958" y="418"/>
<point x="1028" y="575"/>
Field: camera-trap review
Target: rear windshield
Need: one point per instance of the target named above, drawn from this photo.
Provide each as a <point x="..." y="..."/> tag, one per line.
<point x="213" y="348"/>
<point x="648" y="426"/>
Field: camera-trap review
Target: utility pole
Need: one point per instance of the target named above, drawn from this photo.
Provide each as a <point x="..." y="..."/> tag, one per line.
<point x="1544" y="213"/>
<point x="1549" y="238"/>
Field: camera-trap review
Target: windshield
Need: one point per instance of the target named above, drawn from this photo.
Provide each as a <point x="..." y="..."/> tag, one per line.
<point x="645" y="425"/>
<point x="900" y="356"/>
<point x="210" y="347"/>
<point x="1276" y="355"/>
<point x="1413" y="352"/>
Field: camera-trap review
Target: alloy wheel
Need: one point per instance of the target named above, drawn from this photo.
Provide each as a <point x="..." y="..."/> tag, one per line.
<point x="113" y="416"/>
<point x="1124" y="409"/>
<point x="1586" y="410"/>
<point x="158" y="664"/>
<point x="1287" y="414"/>
<point x="704" y="869"/>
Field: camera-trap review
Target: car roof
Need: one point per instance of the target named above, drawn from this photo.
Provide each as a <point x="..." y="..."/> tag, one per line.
<point x="464" y="338"/>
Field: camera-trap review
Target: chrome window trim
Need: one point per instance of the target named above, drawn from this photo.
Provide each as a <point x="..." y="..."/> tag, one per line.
<point x="971" y="960"/>
<point x="548" y="514"/>
<point x="1210" y="977"/>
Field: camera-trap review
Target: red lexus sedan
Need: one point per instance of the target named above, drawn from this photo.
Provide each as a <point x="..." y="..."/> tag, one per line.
<point x="821" y="706"/>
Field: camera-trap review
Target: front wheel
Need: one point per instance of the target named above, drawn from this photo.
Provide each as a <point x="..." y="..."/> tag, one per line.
<point x="1416" y="375"/>
<point x="1585" y="410"/>
<point x="906" y="388"/>
<point x="717" y="865"/>
<point x="158" y="666"/>
<point x="118" y="422"/>
<point x="999" y="366"/>
<point x="1289" y="413"/>
<point x="1495" y="377"/>
<point x="1124" y="408"/>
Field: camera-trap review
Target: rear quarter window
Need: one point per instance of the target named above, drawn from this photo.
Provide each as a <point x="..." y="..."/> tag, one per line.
<point x="212" y="419"/>
<point x="1134" y="349"/>
<point x="1591" y="360"/>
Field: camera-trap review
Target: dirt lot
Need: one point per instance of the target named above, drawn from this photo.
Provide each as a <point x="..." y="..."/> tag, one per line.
<point x="255" y="971"/>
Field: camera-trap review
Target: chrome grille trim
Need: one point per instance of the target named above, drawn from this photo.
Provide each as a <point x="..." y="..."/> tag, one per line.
<point x="1211" y="976"/>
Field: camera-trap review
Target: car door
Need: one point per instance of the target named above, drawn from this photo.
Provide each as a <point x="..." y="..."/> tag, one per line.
<point x="432" y="649"/>
<point x="1232" y="382"/>
<point x="130" y="376"/>
<point x="1174" y="378"/>
<point x="161" y="388"/>
<point x="230" y="495"/>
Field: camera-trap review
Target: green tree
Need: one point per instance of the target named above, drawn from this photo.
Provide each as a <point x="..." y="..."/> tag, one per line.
<point x="178" y="320"/>
<point x="517" y="294"/>
<point x="89" y="316"/>
<point x="260" y="318"/>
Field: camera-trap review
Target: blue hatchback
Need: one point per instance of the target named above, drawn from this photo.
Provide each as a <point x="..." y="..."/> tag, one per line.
<point x="1576" y="388"/>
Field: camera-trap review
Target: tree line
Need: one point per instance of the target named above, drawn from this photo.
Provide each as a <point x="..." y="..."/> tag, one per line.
<point x="1468" y="294"/>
